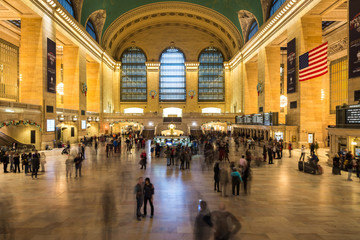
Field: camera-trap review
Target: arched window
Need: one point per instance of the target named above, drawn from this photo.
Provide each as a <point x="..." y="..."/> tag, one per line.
<point x="91" y="29"/>
<point x="133" y="76"/>
<point x="172" y="76"/>
<point x="253" y="29"/>
<point x="67" y="4"/>
<point x="275" y="5"/>
<point x="211" y="76"/>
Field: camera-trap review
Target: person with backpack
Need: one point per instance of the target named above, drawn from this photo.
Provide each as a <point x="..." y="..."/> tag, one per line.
<point x="225" y="224"/>
<point x="149" y="192"/>
<point x="235" y="180"/>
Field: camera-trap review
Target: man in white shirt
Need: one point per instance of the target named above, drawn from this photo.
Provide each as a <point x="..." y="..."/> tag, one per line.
<point x="302" y="156"/>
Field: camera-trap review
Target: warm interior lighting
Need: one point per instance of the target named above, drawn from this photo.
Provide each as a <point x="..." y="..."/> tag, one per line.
<point x="172" y="111"/>
<point x="60" y="89"/>
<point x="133" y="110"/>
<point x="283" y="101"/>
<point x="211" y="110"/>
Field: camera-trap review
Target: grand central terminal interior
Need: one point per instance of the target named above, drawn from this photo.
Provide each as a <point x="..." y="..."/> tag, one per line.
<point x="206" y="98"/>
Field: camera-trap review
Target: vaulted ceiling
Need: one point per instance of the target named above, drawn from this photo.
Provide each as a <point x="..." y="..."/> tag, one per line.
<point x="228" y="8"/>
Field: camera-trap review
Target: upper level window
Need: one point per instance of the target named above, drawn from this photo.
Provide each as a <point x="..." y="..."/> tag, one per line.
<point x="326" y="24"/>
<point x="133" y="76"/>
<point x="275" y="5"/>
<point x="211" y="76"/>
<point x="253" y="29"/>
<point x="67" y="4"/>
<point x="16" y="23"/>
<point x="172" y="76"/>
<point x="91" y="30"/>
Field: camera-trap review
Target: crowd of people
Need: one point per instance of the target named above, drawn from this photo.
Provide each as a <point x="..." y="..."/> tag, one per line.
<point x="30" y="161"/>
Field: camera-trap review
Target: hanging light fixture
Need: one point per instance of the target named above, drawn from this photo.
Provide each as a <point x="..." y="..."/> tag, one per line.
<point x="283" y="101"/>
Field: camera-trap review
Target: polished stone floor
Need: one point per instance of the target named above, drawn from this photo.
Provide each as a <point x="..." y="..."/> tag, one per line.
<point x="284" y="204"/>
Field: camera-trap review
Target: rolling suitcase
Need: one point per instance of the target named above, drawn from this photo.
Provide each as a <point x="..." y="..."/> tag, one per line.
<point x="301" y="165"/>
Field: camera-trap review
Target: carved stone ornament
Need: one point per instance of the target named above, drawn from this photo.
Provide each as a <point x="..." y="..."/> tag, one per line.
<point x="245" y="19"/>
<point x="98" y="19"/>
<point x="338" y="46"/>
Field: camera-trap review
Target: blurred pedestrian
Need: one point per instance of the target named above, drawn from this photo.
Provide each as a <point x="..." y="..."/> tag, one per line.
<point x="42" y="161"/>
<point x="139" y="194"/>
<point x="203" y="225"/>
<point x="225" y="224"/>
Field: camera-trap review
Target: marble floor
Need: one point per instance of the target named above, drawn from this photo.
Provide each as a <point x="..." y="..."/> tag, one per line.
<point x="284" y="204"/>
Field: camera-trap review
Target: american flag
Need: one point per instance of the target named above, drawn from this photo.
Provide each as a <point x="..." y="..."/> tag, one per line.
<point x="314" y="63"/>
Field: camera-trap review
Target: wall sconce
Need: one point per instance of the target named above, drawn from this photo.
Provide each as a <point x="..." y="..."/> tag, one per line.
<point x="61" y="118"/>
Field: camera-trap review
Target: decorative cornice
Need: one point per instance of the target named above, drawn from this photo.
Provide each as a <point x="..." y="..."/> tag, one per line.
<point x="192" y="66"/>
<point x="152" y="66"/>
<point x="338" y="46"/>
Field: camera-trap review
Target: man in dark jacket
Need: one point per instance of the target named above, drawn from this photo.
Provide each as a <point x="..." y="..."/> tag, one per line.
<point x="148" y="196"/>
<point x="35" y="163"/>
<point x="5" y="161"/>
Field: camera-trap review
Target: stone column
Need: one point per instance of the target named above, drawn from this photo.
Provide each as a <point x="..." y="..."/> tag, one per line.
<point x="71" y="77"/>
<point x="269" y="77"/>
<point x="93" y="82"/>
<point x="82" y="96"/>
<point x="228" y="88"/>
<point x="192" y="83"/>
<point x="116" y="87"/>
<point x="309" y="114"/>
<point x="153" y="85"/>
<point x="33" y="67"/>
<point x="32" y="61"/>
<point x="250" y="93"/>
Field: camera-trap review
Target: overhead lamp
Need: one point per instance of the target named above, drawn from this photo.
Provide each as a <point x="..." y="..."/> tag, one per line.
<point x="283" y="101"/>
<point x="60" y="88"/>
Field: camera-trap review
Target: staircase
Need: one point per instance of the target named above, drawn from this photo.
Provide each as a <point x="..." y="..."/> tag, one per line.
<point x="7" y="141"/>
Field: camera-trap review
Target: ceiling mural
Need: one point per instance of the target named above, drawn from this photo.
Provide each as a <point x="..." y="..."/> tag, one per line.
<point x="115" y="8"/>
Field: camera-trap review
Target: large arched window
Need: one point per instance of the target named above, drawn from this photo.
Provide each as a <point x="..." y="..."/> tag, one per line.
<point x="275" y="5"/>
<point x="211" y="76"/>
<point x="67" y="4"/>
<point x="172" y="76"/>
<point x="91" y="29"/>
<point x="253" y="29"/>
<point x="133" y="76"/>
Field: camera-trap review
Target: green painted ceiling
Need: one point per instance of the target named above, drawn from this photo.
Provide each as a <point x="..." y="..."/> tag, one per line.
<point x="115" y="8"/>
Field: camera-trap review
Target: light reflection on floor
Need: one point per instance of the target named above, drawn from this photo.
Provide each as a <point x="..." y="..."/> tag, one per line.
<point x="283" y="204"/>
